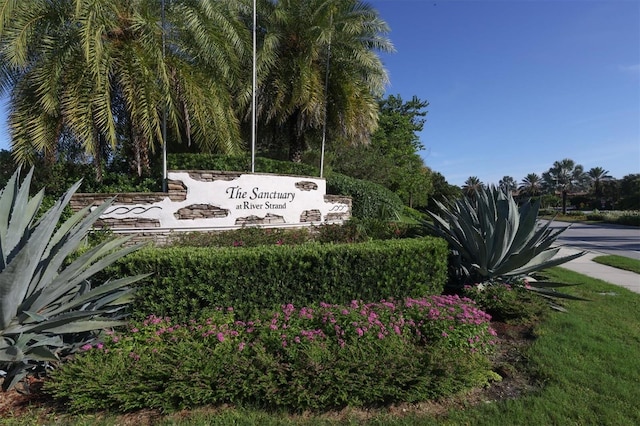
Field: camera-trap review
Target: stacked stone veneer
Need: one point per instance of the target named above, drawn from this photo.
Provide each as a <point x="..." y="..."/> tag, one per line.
<point x="214" y="201"/>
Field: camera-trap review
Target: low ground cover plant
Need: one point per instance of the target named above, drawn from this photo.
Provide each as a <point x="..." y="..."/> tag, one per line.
<point x="510" y="302"/>
<point x="315" y="357"/>
<point x="628" y="217"/>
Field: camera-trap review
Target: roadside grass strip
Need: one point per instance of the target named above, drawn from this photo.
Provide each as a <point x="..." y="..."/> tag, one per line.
<point x="619" y="262"/>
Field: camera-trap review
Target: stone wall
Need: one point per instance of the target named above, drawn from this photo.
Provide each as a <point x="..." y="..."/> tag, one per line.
<point x="214" y="201"/>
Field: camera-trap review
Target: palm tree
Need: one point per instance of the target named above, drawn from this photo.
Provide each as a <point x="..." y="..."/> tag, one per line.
<point x="597" y="175"/>
<point x="305" y="37"/>
<point x="98" y="71"/>
<point x="531" y="185"/>
<point x="565" y="176"/>
<point x="508" y="184"/>
<point x="471" y="186"/>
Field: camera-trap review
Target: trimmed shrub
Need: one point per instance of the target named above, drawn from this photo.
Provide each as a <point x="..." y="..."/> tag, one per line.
<point x="240" y="163"/>
<point x="243" y="237"/>
<point x="360" y="230"/>
<point x="595" y="215"/>
<point x="186" y="281"/>
<point x="352" y="231"/>
<point x="629" y="219"/>
<point x="370" y="200"/>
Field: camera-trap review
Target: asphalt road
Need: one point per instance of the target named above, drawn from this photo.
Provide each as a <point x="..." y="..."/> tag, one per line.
<point x="605" y="238"/>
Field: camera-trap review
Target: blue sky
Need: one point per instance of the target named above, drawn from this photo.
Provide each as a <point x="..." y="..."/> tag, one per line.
<point x="515" y="85"/>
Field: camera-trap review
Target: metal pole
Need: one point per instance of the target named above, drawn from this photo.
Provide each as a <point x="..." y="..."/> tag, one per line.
<point x="326" y="100"/>
<point x="253" y="96"/>
<point x="164" y="111"/>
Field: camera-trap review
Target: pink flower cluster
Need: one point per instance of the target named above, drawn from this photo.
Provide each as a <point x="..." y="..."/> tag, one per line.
<point x="421" y="321"/>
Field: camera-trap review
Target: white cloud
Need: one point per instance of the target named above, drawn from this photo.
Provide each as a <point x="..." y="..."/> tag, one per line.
<point x="630" y="68"/>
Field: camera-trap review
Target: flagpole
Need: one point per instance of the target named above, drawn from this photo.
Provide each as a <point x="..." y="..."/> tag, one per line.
<point x="164" y="111"/>
<point x="326" y="99"/>
<point x="253" y="95"/>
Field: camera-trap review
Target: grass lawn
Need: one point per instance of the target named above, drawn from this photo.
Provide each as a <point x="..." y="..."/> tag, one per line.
<point x="619" y="262"/>
<point x="586" y="360"/>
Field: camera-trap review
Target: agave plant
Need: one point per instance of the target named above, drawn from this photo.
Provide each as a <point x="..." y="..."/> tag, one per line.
<point x="48" y="307"/>
<point x="492" y="238"/>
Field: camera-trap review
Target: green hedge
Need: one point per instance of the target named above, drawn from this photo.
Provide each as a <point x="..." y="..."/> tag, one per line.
<point x="369" y="200"/>
<point x="241" y="163"/>
<point x="188" y="281"/>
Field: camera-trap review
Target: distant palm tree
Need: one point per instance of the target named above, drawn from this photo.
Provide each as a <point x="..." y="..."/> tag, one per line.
<point x="565" y="176"/>
<point x="597" y="175"/>
<point x="302" y="39"/>
<point x="508" y="184"/>
<point x="531" y="185"/>
<point x="471" y="186"/>
<point x="97" y="70"/>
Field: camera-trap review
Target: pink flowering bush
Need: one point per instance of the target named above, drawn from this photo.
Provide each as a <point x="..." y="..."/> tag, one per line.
<point x="314" y="357"/>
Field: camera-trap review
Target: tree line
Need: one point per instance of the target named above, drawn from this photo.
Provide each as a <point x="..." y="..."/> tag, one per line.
<point x="108" y="82"/>
<point x="566" y="181"/>
<point x="99" y="80"/>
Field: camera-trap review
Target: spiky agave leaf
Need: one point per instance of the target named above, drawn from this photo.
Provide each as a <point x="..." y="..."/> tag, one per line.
<point x="47" y="309"/>
<point x="494" y="238"/>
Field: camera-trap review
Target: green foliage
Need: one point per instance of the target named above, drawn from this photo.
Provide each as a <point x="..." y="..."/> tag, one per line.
<point x="301" y="42"/>
<point x="369" y="200"/>
<point x="412" y="216"/>
<point x="244" y="237"/>
<point x="187" y="280"/>
<point x="104" y="92"/>
<point x="352" y="231"/>
<point x="549" y="201"/>
<point x="56" y="178"/>
<point x="510" y="303"/>
<point x="620" y="262"/>
<point x="629" y="192"/>
<point x="316" y="357"/>
<point x="392" y="158"/>
<point x="442" y="190"/>
<point x="492" y="237"/>
<point x="472" y="185"/>
<point x="575" y="214"/>
<point x="629" y="218"/>
<point x="530" y="186"/>
<point x="595" y="216"/>
<point x="361" y="230"/>
<point x="238" y="163"/>
<point x="48" y="308"/>
<point x="565" y="176"/>
<point x="508" y="183"/>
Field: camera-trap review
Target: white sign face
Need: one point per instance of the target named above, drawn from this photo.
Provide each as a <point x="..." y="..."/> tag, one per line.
<point x="228" y="200"/>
